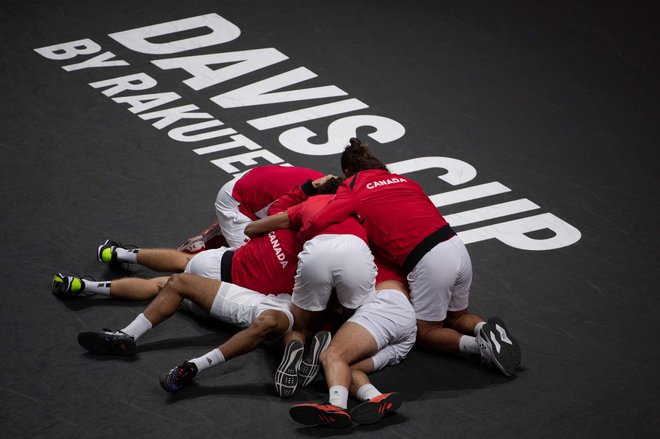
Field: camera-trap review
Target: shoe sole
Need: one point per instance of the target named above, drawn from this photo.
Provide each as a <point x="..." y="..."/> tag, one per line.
<point x="312" y="415"/>
<point x="286" y="376"/>
<point x="309" y="366"/>
<point x="98" y="344"/>
<point x="370" y="412"/>
<point x="59" y="291"/>
<point x="509" y="356"/>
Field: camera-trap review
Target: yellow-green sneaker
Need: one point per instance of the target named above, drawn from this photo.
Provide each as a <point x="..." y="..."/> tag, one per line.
<point x="107" y="252"/>
<point x="67" y="286"/>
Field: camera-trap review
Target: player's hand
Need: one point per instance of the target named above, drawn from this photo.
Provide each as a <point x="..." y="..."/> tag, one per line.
<point x="319" y="181"/>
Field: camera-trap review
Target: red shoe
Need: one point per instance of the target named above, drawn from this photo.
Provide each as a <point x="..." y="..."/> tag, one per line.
<point x="319" y="414"/>
<point x="372" y="411"/>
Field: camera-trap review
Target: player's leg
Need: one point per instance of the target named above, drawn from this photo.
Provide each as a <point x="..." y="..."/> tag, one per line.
<point x="272" y="320"/>
<point x="440" y="288"/>
<point x="463" y="321"/>
<point x="179" y="287"/>
<point x="391" y="320"/>
<point x="311" y="293"/>
<point x="158" y="259"/>
<point x="137" y="289"/>
<point x="70" y="286"/>
<point x="440" y="280"/>
<point x="351" y="343"/>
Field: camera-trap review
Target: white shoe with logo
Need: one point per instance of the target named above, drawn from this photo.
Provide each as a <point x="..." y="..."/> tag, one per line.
<point x="310" y="364"/>
<point x="286" y="375"/>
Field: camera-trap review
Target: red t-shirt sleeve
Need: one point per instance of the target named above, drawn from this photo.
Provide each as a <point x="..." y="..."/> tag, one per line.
<point x="339" y="208"/>
<point x="293" y="197"/>
<point x="295" y="216"/>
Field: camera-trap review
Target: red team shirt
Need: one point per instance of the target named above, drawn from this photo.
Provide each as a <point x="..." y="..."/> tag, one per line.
<point x="394" y="210"/>
<point x="267" y="264"/>
<point x="264" y="184"/>
<point x="300" y="214"/>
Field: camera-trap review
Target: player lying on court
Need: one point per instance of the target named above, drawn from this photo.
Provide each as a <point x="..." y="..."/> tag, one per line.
<point x="222" y="283"/>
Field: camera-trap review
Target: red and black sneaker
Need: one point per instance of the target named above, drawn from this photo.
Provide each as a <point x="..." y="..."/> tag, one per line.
<point x="320" y="414"/>
<point x="373" y="410"/>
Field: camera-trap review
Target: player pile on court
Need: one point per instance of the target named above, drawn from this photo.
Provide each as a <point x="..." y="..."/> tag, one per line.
<point x="302" y="249"/>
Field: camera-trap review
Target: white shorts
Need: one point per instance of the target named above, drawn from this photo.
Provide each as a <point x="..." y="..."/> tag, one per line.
<point x="232" y="221"/>
<point x="441" y="280"/>
<point x="391" y="320"/>
<point x="207" y="263"/>
<point x="342" y="262"/>
<point x="240" y="306"/>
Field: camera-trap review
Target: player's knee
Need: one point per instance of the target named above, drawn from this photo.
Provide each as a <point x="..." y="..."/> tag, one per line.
<point x="271" y="323"/>
<point x="330" y="355"/>
<point x="160" y="284"/>
<point x="176" y="284"/>
<point x="424" y="331"/>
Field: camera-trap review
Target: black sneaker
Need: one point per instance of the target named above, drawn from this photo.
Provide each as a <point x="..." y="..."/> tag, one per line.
<point x="286" y="376"/>
<point x="108" y="341"/>
<point x="373" y="410"/>
<point x="310" y="366"/>
<point x="498" y="347"/>
<point x="66" y="286"/>
<point x="320" y="414"/>
<point x="179" y="377"/>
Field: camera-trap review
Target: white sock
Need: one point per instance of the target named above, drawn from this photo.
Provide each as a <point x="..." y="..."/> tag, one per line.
<point x="102" y="288"/>
<point x="469" y="344"/>
<point x="213" y="358"/>
<point x="138" y="327"/>
<point x="366" y="392"/>
<point x="478" y="327"/>
<point x="339" y="396"/>
<point x="124" y="255"/>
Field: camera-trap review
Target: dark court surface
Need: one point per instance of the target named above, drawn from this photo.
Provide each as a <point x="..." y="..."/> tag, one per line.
<point x="542" y="117"/>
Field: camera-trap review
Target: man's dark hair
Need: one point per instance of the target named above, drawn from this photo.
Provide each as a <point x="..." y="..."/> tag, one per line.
<point x="330" y="186"/>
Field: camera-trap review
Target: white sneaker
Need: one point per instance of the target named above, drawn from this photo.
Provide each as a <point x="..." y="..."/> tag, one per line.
<point x="286" y="375"/>
<point x="310" y="365"/>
